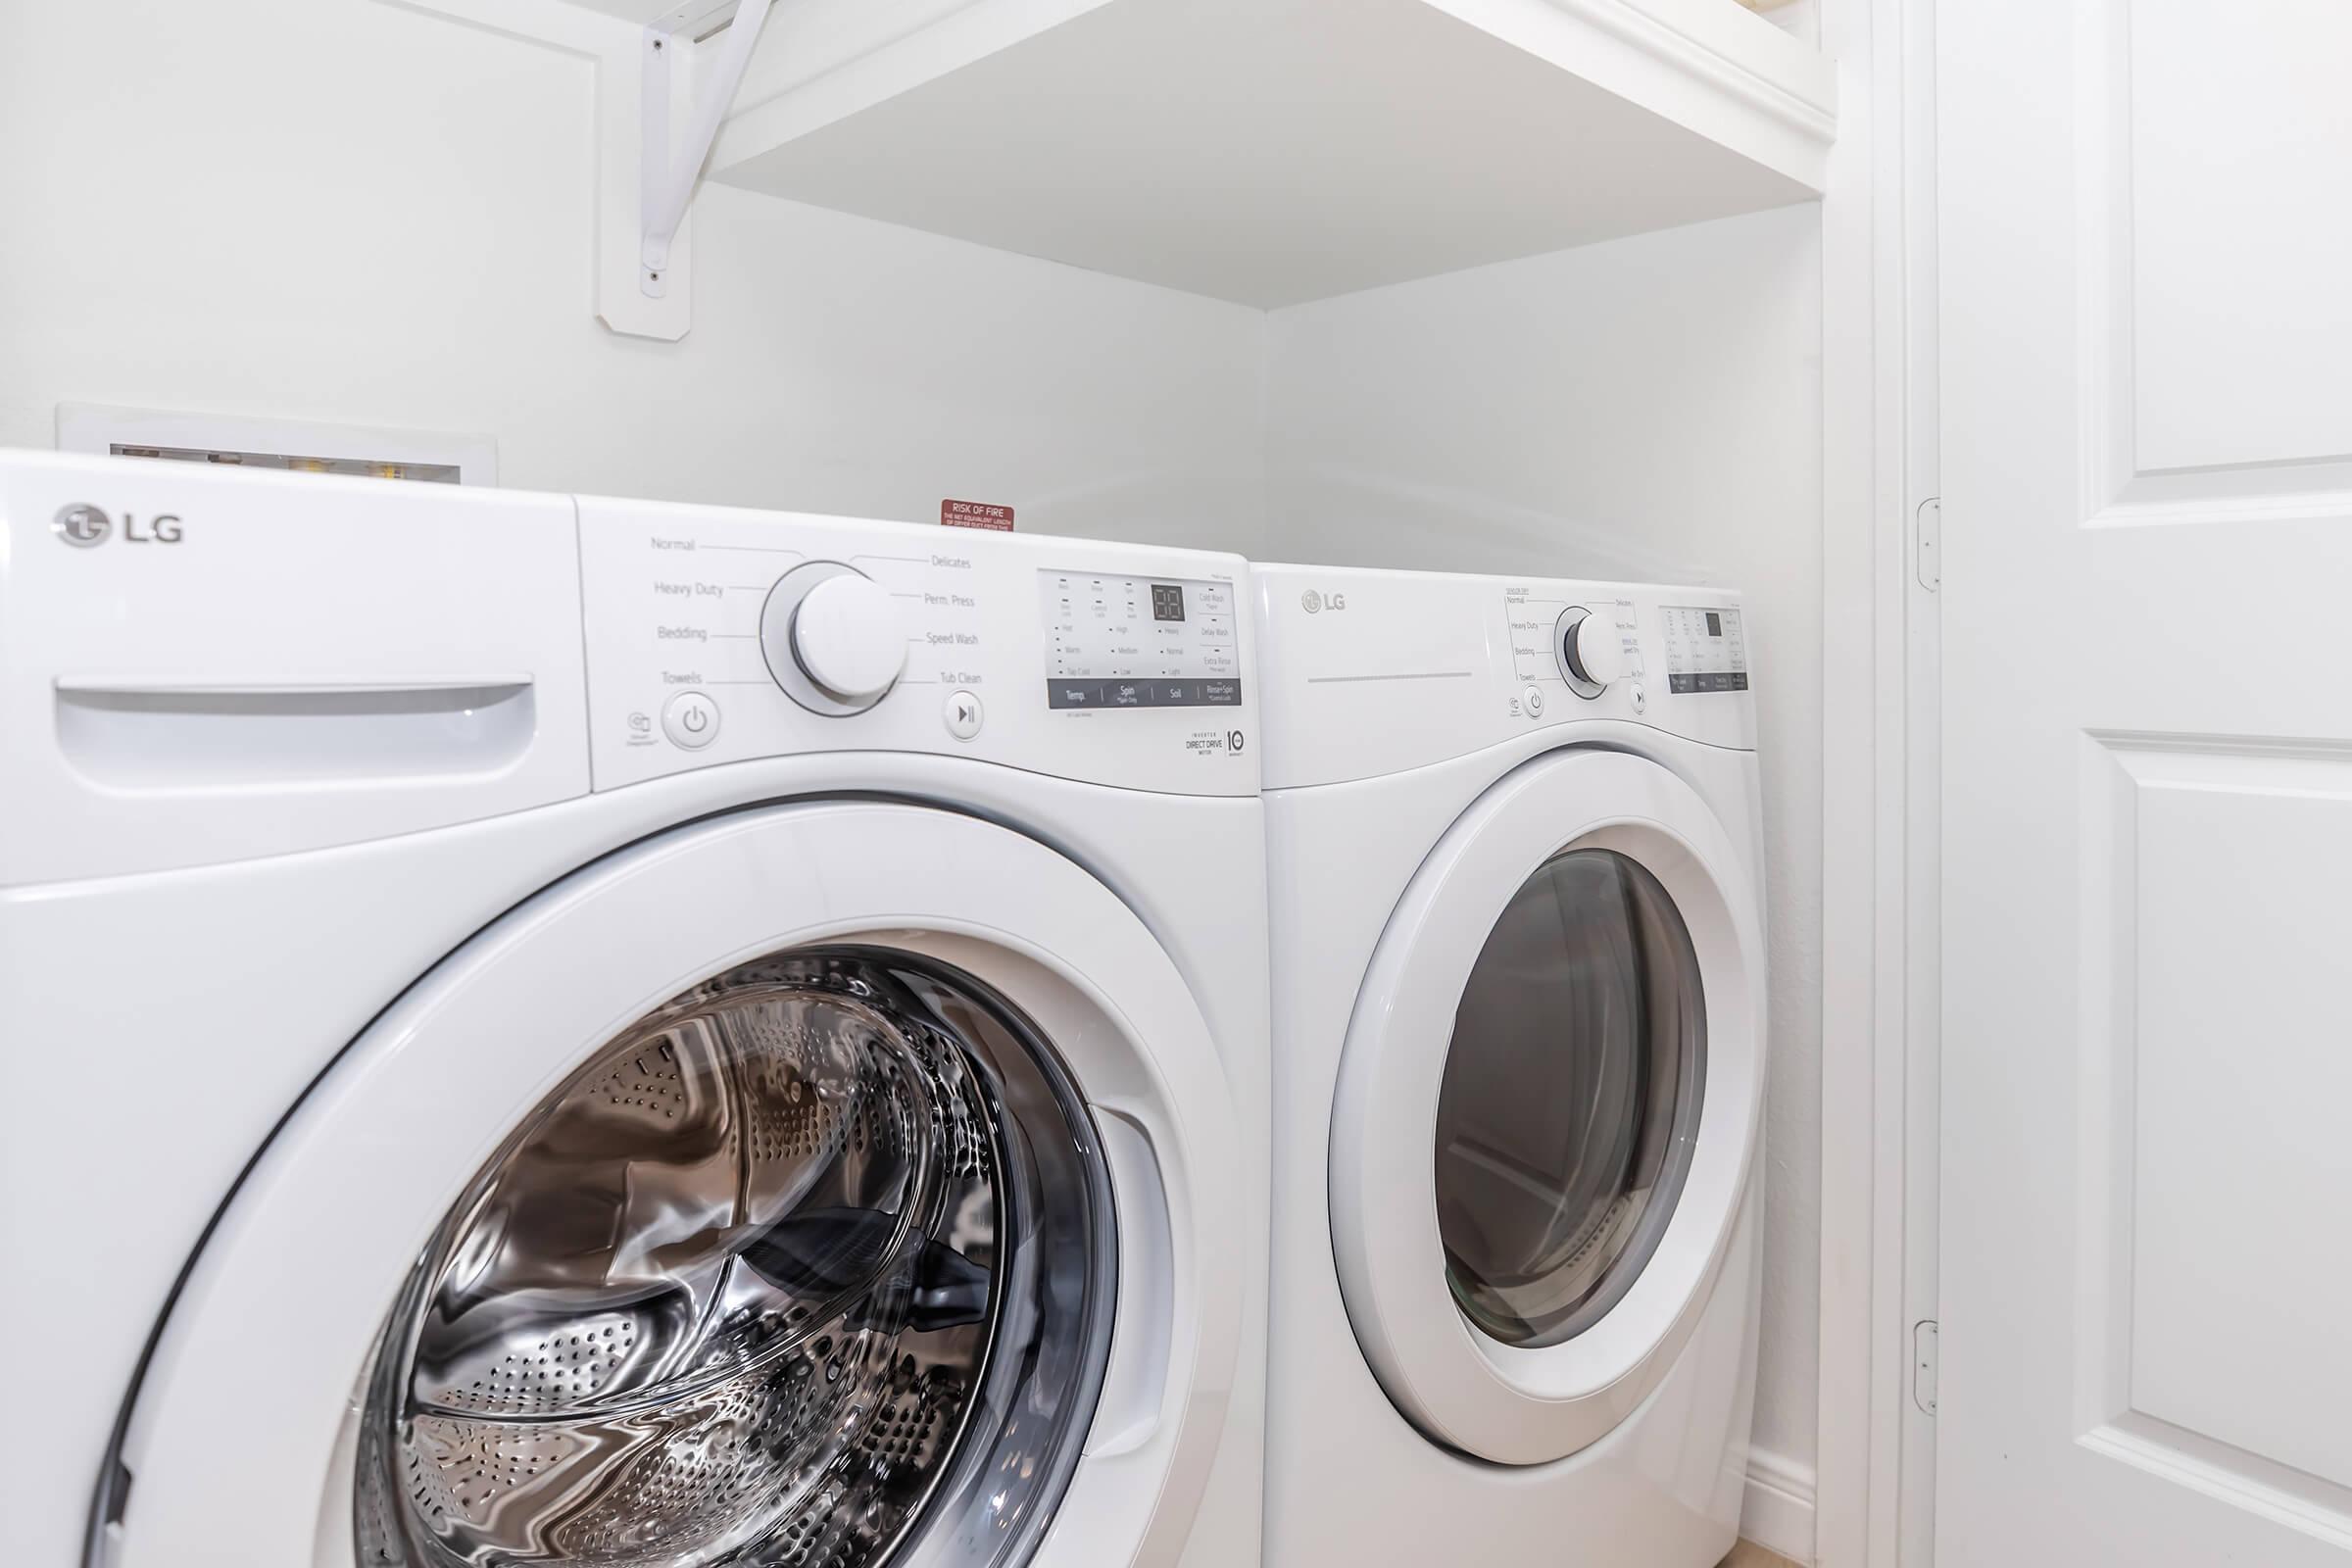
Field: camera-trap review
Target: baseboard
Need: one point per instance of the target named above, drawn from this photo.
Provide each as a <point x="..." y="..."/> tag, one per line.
<point x="1777" y="1510"/>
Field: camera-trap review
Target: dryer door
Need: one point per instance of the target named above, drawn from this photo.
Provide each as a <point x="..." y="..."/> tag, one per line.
<point x="820" y="1185"/>
<point x="1547" y="1107"/>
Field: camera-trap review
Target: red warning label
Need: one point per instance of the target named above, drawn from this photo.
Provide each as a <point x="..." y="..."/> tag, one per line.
<point x="975" y="514"/>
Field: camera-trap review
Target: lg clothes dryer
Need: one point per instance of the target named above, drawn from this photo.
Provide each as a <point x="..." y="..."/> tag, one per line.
<point x="592" y="1033"/>
<point x="1518" y="1068"/>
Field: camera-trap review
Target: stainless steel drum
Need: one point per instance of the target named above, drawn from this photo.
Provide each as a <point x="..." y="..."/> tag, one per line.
<point x="812" y="1267"/>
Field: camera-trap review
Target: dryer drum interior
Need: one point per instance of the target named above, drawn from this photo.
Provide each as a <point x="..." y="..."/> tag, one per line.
<point x="812" y="1267"/>
<point x="1569" y="1103"/>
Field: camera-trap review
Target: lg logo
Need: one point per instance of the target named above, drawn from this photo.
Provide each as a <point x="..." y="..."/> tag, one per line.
<point x="1314" y="603"/>
<point x="83" y="527"/>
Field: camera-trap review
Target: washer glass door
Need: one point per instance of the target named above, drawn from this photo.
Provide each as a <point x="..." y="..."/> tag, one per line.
<point x="1571" y="1097"/>
<point x="812" y="1258"/>
<point x="821" y="1185"/>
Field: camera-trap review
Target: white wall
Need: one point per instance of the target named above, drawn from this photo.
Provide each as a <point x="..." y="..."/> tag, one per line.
<point x="1647" y="408"/>
<point x="343" y="209"/>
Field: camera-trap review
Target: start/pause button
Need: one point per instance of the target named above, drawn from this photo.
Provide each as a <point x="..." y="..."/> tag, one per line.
<point x="962" y="715"/>
<point x="691" y="720"/>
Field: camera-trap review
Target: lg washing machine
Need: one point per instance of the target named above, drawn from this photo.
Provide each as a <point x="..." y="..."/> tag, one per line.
<point x="585" y="1032"/>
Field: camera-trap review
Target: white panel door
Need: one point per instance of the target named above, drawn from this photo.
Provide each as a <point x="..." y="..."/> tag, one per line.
<point x="2146" y="229"/>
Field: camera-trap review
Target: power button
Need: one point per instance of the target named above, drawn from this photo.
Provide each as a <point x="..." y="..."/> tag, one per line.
<point x="690" y="719"/>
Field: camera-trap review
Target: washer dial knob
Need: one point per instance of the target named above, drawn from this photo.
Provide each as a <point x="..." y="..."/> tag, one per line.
<point x="833" y="638"/>
<point x="845" y="635"/>
<point x="1593" y="652"/>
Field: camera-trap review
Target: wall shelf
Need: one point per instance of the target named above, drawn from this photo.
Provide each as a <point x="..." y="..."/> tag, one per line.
<point x="1271" y="151"/>
<point x="1267" y="152"/>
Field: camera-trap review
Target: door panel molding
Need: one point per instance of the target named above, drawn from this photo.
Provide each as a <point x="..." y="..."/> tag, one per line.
<point x="2120" y="487"/>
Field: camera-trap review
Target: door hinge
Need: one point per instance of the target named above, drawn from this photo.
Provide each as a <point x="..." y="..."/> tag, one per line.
<point x="1923" y="1366"/>
<point x="1928" y="542"/>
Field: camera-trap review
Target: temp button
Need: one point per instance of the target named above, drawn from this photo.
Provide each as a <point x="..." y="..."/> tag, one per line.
<point x="690" y="719"/>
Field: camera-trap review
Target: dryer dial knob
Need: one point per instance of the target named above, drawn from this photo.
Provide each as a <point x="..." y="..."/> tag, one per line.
<point x="845" y="634"/>
<point x="1593" y="651"/>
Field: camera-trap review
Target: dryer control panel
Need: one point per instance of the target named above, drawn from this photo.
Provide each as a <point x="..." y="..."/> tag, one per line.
<point x="717" y="635"/>
<point x="1373" y="672"/>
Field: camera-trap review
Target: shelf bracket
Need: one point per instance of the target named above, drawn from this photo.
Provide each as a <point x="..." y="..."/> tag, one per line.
<point x="668" y="176"/>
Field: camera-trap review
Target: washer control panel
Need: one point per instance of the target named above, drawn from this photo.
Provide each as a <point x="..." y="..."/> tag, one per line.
<point x="718" y="636"/>
<point x="1706" y="650"/>
<point x="1116" y="641"/>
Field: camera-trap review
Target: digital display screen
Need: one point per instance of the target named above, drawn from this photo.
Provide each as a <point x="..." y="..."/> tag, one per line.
<point x="1706" y="650"/>
<point x="1115" y="641"/>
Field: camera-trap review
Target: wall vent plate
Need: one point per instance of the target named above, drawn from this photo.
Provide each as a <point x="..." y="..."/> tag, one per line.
<point x="301" y="445"/>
